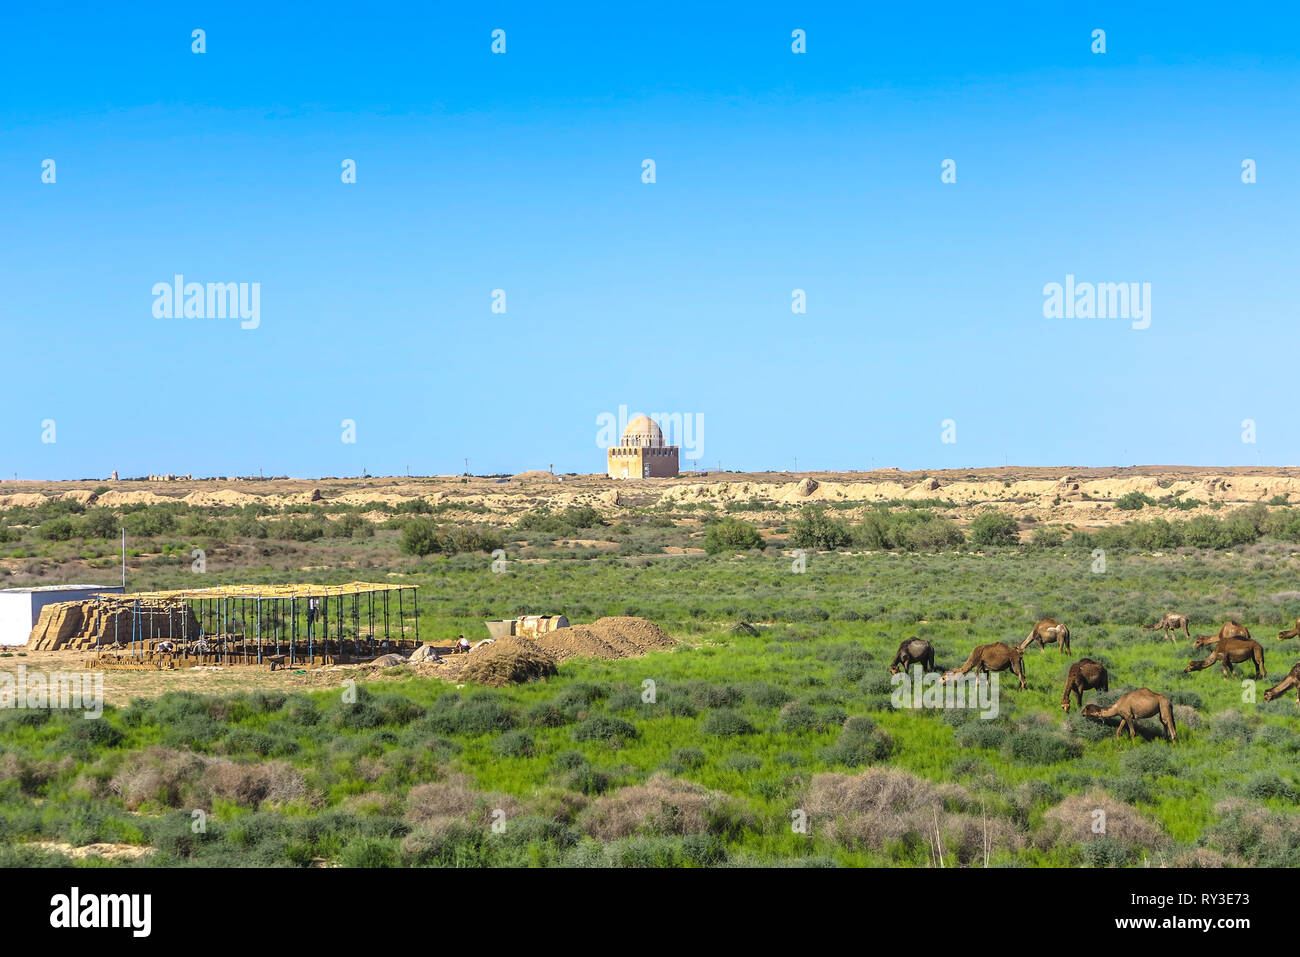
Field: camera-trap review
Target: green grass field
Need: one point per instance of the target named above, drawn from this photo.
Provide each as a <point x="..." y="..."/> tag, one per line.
<point x="771" y="737"/>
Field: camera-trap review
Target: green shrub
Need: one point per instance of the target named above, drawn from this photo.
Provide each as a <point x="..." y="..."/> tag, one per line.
<point x="994" y="528"/>
<point x="515" y="744"/>
<point x="99" y="523"/>
<point x="58" y="529"/>
<point x="1132" y="501"/>
<point x="1034" y="745"/>
<point x="603" y="727"/>
<point x="422" y="536"/>
<point x="814" y="529"/>
<point x="1267" y="785"/>
<point x="473" y="715"/>
<point x="565" y="524"/>
<point x="369" y="852"/>
<point x="731" y="535"/>
<point x="725" y="723"/>
<point x="689" y="757"/>
<point x="860" y="742"/>
<point x="588" y="780"/>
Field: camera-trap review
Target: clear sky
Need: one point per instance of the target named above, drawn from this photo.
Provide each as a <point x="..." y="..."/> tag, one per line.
<point x="522" y="171"/>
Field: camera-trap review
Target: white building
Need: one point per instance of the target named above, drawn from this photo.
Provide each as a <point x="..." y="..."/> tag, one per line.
<point x="20" y="607"/>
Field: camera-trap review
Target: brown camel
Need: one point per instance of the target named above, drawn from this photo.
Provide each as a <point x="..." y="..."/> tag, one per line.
<point x="1142" y="703"/>
<point x="913" y="651"/>
<point x="1171" y="622"/>
<point x="1233" y="651"/>
<point x="1231" y="630"/>
<point x="1290" y="632"/>
<point x="1084" y="675"/>
<point x="1292" y="680"/>
<point x="993" y="657"/>
<point x="1047" y="632"/>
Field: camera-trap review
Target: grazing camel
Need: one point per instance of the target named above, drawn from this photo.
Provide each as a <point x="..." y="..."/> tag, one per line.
<point x="1046" y="632"/>
<point x="994" y="657"/>
<point x="1084" y="675"/>
<point x="1171" y="622"/>
<point x="1231" y="630"/>
<point x="1142" y="703"/>
<point x="1292" y="680"/>
<point x="1233" y="651"/>
<point x="913" y="651"/>
<point x="1290" y="632"/>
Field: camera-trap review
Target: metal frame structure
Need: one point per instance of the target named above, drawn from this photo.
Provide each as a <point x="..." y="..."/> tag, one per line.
<point x="226" y="613"/>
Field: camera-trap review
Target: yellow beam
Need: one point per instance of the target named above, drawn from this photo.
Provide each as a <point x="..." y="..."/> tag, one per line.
<point x="268" y="591"/>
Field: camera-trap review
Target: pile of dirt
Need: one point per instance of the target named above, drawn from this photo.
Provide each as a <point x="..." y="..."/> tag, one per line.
<point x="387" y="661"/>
<point x="81" y="625"/>
<point x="537" y="475"/>
<point x="508" y="661"/>
<point x="610" y="637"/>
<point x="578" y="641"/>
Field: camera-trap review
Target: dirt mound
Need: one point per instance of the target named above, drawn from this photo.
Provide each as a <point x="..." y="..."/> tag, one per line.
<point x="537" y="475"/>
<point x="508" y="661"/>
<point x="22" y="500"/>
<point x="580" y="641"/>
<point x="387" y="661"/>
<point x="118" y="499"/>
<point x="221" y="498"/>
<point x="610" y="637"/>
<point x="645" y="634"/>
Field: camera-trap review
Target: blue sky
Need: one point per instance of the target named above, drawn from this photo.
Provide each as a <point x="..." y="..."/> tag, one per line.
<point x="522" y="172"/>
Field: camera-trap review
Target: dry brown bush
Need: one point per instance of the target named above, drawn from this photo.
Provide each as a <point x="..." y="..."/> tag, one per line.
<point x="267" y="782"/>
<point x="884" y="806"/>
<point x="663" y="805"/>
<point x="1203" y="857"/>
<point x="156" y="774"/>
<point x="453" y="798"/>
<point x="1071" y="822"/>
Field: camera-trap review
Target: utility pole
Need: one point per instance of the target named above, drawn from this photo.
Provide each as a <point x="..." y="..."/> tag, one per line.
<point x="124" y="559"/>
<point x="467" y="467"/>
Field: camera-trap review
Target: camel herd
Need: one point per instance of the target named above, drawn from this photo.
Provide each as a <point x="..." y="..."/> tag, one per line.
<point x="1231" y="646"/>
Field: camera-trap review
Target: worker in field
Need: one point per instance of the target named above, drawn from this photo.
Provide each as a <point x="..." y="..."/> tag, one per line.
<point x="462" y="645"/>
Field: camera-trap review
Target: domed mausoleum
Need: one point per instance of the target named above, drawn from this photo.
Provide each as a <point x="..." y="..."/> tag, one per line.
<point x="641" y="453"/>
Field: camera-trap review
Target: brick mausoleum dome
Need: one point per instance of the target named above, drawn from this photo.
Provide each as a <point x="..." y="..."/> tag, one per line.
<point x="643" y="431"/>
